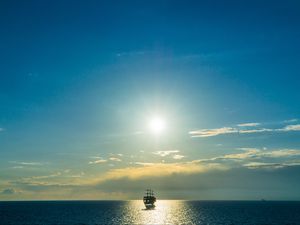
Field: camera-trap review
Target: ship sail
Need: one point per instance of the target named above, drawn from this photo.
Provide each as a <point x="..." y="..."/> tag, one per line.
<point x="149" y="199"/>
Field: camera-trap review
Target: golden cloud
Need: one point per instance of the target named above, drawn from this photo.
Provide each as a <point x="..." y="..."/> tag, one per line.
<point x="159" y="170"/>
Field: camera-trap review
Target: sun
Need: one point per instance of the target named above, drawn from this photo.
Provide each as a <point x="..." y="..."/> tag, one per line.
<point x="157" y="125"/>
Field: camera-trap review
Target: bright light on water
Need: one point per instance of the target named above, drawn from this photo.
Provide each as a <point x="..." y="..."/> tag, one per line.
<point x="165" y="212"/>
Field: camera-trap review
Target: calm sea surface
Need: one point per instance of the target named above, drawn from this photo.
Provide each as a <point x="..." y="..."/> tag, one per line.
<point x="166" y="212"/>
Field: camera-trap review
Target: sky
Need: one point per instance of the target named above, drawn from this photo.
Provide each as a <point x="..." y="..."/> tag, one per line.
<point x="194" y="99"/>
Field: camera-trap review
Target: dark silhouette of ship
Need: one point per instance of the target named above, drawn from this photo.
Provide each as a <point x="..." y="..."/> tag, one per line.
<point x="149" y="199"/>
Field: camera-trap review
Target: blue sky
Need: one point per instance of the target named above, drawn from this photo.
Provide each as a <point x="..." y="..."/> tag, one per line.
<point x="80" y="81"/>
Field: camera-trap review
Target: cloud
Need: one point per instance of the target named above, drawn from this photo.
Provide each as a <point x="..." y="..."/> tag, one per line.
<point x="17" y="167"/>
<point x="213" y="132"/>
<point x="295" y="127"/>
<point x="139" y="172"/>
<point x="166" y="177"/>
<point x="178" y="156"/>
<point x="290" y="121"/>
<point x="255" y="131"/>
<point x="249" y="153"/>
<point x="159" y="170"/>
<point x="27" y="163"/>
<point x="279" y="158"/>
<point x="257" y="153"/>
<point x="8" y="191"/>
<point x="1" y="129"/>
<point x="236" y="183"/>
<point x="281" y="153"/>
<point x="230" y="130"/>
<point x="46" y="176"/>
<point x="95" y="157"/>
<point x="115" y="159"/>
<point x="248" y="124"/>
<point x="39" y="185"/>
<point x="98" y="161"/>
<point x="54" y="179"/>
<point x="142" y="163"/>
<point x="116" y="155"/>
<point x="264" y="165"/>
<point x="165" y="153"/>
<point x="81" y="174"/>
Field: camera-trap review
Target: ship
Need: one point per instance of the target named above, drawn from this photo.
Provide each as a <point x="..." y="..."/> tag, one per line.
<point x="149" y="199"/>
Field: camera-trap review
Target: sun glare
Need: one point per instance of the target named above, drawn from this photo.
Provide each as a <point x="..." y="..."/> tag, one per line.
<point x="157" y="125"/>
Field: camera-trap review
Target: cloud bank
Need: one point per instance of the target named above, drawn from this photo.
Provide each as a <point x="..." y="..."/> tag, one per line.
<point x="165" y="153"/>
<point x="230" y="130"/>
<point x="248" y="124"/>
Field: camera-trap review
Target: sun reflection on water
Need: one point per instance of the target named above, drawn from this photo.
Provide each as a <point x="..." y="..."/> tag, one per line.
<point x="165" y="212"/>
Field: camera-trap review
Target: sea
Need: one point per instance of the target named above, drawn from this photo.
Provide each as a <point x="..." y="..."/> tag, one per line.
<point x="134" y="212"/>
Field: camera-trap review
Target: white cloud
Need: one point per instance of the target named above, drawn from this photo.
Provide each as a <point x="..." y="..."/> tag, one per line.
<point x="81" y="174"/>
<point x="281" y="153"/>
<point x="255" y="131"/>
<point x="260" y="165"/>
<point x="165" y="153"/>
<point x="257" y="153"/>
<point x="230" y="130"/>
<point x="46" y="176"/>
<point x="98" y="161"/>
<point x="248" y="124"/>
<point x="116" y="155"/>
<point x="249" y="153"/>
<point x="17" y="167"/>
<point x="213" y="132"/>
<point x="95" y="157"/>
<point x="282" y="158"/>
<point x="290" y="121"/>
<point x="295" y="127"/>
<point x="178" y="156"/>
<point x="115" y="159"/>
<point x="27" y="163"/>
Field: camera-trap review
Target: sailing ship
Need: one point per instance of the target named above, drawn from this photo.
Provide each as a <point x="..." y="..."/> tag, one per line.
<point x="149" y="199"/>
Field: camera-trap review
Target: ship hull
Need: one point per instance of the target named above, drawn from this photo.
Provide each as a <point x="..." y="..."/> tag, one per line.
<point x="149" y="206"/>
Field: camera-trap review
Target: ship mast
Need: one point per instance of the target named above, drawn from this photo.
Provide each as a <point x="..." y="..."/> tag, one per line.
<point x="149" y="199"/>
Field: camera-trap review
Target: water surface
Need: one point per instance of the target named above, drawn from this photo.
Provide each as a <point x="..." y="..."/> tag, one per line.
<point x="166" y="212"/>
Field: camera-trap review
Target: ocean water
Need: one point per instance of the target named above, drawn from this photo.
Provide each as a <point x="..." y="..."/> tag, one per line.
<point x="166" y="212"/>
